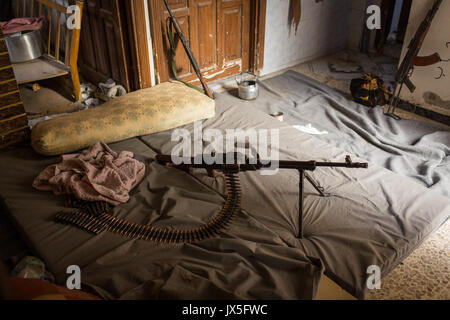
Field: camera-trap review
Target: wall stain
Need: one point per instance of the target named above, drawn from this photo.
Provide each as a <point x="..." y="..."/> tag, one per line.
<point x="436" y="100"/>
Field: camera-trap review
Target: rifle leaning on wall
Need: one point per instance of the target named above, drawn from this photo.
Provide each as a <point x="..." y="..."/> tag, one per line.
<point x="173" y="22"/>
<point x="412" y="59"/>
<point x="231" y="172"/>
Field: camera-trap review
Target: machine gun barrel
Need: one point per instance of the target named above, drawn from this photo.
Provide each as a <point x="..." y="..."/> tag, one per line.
<point x="311" y="165"/>
<point x="185" y="162"/>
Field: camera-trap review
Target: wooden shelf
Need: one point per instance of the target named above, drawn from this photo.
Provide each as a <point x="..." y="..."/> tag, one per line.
<point x="39" y="69"/>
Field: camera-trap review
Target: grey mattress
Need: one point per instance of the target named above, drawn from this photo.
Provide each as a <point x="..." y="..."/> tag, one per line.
<point x="373" y="217"/>
<point x="416" y="149"/>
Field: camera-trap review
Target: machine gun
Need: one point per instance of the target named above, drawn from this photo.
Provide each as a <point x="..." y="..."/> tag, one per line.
<point x="231" y="172"/>
<point x="412" y="59"/>
<point x="95" y="217"/>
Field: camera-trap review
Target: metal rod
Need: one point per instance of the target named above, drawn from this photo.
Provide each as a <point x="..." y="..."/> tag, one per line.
<point x="393" y="103"/>
<point x="316" y="186"/>
<point x="300" y="202"/>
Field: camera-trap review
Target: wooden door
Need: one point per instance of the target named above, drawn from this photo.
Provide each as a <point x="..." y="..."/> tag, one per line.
<point x="218" y="32"/>
<point x="103" y="45"/>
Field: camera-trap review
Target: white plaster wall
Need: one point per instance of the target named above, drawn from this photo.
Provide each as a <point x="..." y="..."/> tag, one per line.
<point x="439" y="34"/>
<point x="322" y="30"/>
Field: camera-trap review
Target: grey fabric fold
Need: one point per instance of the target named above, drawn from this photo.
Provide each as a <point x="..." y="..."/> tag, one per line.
<point x="416" y="149"/>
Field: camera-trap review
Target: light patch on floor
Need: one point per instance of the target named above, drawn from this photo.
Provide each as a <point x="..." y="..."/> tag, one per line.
<point x="424" y="275"/>
<point x="45" y="98"/>
<point x="329" y="290"/>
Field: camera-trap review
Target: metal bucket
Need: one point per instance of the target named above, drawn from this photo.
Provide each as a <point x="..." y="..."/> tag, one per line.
<point x="248" y="89"/>
<point x="24" y="46"/>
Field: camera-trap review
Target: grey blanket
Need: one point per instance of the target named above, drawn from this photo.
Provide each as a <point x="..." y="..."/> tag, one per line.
<point x="416" y="149"/>
<point x="368" y="220"/>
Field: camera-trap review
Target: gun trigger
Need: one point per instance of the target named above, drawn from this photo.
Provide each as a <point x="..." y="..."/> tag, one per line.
<point x="410" y="85"/>
<point x="348" y="160"/>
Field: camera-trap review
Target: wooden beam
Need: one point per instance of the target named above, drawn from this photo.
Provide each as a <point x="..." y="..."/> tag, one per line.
<point x="32" y="8"/>
<point x="74" y="56"/>
<point x="67" y="49"/>
<point x="258" y="38"/>
<point x="139" y="48"/>
<point x="49" y="32"/>
<point x="58" y="36"/>
<point x="155" y="11"/>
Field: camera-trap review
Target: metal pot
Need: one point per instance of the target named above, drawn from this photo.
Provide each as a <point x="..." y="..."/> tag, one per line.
<point x="248" y="89"/>
<point x="24" y="46"/>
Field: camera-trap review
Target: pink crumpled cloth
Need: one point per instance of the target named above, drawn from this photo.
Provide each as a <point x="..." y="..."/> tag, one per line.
<point x="22" y="24"/>
<point x="95" y="174"/>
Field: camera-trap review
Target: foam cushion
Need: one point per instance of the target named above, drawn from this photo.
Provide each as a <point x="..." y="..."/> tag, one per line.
<point x="165" y="106"/>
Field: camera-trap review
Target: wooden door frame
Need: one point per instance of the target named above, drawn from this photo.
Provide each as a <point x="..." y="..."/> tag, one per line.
<point x="138" y="41"/>
<point x="257" y="33"/>
<point x="120" y="36"/>
<point x="257" y="40"/>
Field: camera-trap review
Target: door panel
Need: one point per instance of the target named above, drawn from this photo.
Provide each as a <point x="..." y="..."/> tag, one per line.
<point x="102" y="48"/>
<point x="181" y="59"/>
<point x="204" y="12"/>
<point x="232" y="33"/>
<point x="218" y="34"/>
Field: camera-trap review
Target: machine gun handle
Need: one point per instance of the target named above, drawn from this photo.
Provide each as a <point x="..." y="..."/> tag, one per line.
<point x="409" y="84"/>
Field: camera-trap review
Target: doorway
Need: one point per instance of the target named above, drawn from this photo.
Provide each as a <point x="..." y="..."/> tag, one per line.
<point x="395" y="22"/>
<point x="225" y="36"/>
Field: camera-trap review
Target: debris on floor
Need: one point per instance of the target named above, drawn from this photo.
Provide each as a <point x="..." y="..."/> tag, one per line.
<point x="32" y="268"/>
<point x="35" y="86"/>
<point x="346" y="65"/>
<point x="92" y="96"/>
<point x="110" y="90"/>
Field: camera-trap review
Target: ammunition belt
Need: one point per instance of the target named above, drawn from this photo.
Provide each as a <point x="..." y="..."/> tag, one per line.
<point x="94" y="217"/>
